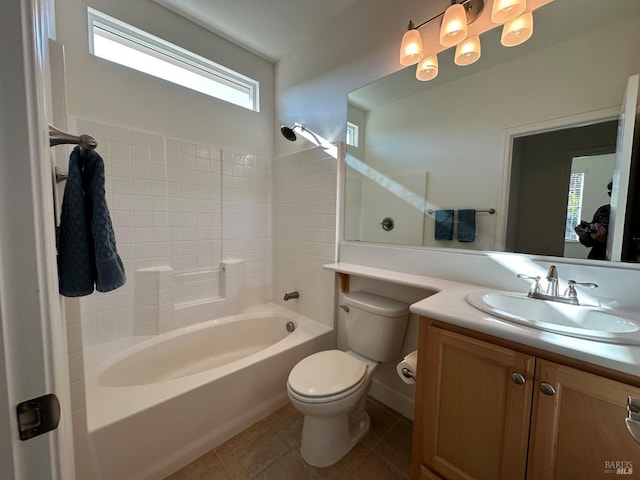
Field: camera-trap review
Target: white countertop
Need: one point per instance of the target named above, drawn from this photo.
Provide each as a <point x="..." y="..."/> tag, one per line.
<point x="448" y="304"/>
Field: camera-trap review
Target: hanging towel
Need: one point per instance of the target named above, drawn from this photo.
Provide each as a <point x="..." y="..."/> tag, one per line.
<point x="87" y="254"/>
<point x="444" y="225"/>
<point x="466" y="225"/>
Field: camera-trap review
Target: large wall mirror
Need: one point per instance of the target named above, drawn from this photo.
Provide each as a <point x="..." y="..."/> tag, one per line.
<point x="519" y="146"/>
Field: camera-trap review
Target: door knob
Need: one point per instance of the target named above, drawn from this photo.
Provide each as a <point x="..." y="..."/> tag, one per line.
<point x="518" y="378"/>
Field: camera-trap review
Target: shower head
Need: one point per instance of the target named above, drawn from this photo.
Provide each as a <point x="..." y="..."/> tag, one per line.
<point x="288" y="133"/>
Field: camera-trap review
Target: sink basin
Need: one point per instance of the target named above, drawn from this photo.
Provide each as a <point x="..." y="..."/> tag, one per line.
<point x="583" y="321"/>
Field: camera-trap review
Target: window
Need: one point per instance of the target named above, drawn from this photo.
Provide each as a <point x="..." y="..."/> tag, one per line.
<point x="574" y="206"/>
<point x="118" y="42"/>
<point x="352" y="134"/>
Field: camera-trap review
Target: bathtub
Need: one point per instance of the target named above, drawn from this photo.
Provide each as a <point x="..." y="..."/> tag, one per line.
<point x="155" y="404"/>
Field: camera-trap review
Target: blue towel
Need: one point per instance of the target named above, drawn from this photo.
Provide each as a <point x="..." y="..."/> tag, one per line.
<point x="466" y="225"/>
<point x="87" y="252"/>
<point x="444" y="225"/>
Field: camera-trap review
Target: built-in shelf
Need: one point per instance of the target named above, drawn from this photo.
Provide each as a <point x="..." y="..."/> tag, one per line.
<point x="345" y="270"/>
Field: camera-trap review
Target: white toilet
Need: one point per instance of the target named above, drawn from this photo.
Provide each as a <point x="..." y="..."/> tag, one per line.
<point x="330" y="387"/>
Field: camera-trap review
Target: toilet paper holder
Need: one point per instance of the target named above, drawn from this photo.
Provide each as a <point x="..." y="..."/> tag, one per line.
<point x="408" y="373"/>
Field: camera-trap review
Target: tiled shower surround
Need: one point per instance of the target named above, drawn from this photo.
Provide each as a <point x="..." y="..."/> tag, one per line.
<point x="204" y="232"/>
<point x="193" y="228"/>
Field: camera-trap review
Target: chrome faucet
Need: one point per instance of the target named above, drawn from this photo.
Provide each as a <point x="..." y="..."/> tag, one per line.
<point x="569" y="295"/>
<point x="289" y="296"/>
<point x="552" y="281"/>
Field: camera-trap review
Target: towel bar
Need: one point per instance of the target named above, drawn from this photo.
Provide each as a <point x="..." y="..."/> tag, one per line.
<point x="489" y="210"/>
<point x="58" y="137"/>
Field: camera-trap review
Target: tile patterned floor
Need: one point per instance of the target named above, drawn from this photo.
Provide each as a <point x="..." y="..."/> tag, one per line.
<point x="269" y="450"/>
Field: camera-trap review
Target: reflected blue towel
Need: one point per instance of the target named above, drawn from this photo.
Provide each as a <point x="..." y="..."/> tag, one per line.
<point x="466" y="225"/>
<point x="87" y="252"/>
<point x="444" y="225"/>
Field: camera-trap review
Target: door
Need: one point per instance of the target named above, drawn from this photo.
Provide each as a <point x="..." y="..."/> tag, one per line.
<point x="578" y="428"/>
<point x="476" y="408"/>
<point x="621" y="174"/>
<point x="32" y="333"/>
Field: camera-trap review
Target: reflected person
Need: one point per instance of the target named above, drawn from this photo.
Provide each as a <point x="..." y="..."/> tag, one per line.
<point x="594" y="234"/>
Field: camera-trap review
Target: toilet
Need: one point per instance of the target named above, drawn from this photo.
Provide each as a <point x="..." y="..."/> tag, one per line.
<point x="330" y="387"/>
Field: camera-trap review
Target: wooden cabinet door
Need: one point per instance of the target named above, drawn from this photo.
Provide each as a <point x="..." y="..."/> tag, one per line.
<point x="474" y="417"/>
<point x="579" y="432"/>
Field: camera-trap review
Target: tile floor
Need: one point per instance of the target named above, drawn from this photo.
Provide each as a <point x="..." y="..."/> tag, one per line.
<point x="269" y="450"/>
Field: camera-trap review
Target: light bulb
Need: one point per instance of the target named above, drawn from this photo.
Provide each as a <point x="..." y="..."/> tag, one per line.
<point x="454" y="26"/>
<point x="517" y="31"/>
<point x="505" y="10"/>
<point x="411" y="47"/>
<point x="427" y="68"/>
<point x="468" y="51"/>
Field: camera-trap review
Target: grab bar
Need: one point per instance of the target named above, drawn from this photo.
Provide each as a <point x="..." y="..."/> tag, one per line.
<point x="58" y="137"/>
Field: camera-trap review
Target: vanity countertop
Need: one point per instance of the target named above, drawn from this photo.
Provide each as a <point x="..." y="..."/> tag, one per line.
<point x="448" y="305"/>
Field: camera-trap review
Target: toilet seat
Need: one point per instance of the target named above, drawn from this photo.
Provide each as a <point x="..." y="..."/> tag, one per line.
<point x="326" y="376"/>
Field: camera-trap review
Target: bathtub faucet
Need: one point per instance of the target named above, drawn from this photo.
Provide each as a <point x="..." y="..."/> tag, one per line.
<point x="288" y="296"/>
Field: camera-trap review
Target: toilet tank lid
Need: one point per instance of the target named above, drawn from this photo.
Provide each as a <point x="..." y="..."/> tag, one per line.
<point x="376" y="304"/>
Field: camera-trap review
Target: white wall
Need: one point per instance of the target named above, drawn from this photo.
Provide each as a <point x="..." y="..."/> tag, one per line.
<point x="304" y="230"/>
<point x="103" y="91"/>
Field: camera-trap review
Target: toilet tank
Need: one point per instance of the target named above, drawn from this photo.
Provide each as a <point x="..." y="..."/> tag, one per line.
<point x="375" y="325"/>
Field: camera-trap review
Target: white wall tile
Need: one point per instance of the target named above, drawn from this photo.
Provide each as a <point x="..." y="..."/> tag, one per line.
<point x="166" y="198"/>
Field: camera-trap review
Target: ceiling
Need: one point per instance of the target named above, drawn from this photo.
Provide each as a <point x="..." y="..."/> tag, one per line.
<point x="268" y="28"/>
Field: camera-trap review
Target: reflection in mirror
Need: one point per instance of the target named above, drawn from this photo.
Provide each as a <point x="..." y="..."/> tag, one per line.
<point x="542" y="166"/>
<point x="458" y="142"/>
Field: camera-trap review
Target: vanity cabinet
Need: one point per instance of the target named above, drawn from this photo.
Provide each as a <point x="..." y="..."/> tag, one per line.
<point x="491" y="411"/>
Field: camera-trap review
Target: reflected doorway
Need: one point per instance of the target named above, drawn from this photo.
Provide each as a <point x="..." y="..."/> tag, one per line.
<point x="590" y="175"/>
<point x="541" y="167"/>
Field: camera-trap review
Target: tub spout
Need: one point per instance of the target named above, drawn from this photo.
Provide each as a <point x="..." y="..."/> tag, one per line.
<point x="288" y="296"/>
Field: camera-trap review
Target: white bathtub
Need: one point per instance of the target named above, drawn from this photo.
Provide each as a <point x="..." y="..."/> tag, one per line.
<point x="156" y="405"/>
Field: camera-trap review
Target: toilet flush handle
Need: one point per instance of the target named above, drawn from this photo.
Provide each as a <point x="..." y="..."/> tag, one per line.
<point x="345" y="308"/>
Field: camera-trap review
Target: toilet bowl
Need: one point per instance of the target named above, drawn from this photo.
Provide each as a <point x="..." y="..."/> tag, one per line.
<point x="330" y="387"/>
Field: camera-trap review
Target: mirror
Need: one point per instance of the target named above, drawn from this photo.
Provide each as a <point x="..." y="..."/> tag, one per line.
<point x="458" y="142"/>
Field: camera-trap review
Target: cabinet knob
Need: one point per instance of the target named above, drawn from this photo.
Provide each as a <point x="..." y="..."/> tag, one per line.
<point x="518" y="378"/>
<point x="547" y="389"/>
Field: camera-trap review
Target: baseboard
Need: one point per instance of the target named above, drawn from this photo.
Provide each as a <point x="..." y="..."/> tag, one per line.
<point x="395" y="400"/>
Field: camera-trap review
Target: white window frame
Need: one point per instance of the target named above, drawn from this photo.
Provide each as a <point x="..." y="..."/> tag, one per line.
<point x="569" y="234"/>
<point x="352" y="134"/>
<point x="229" y="85"/>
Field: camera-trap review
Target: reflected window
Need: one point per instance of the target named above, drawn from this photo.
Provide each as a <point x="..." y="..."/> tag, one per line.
<point x="574" y="205"/>
<point x="352" y="134"/>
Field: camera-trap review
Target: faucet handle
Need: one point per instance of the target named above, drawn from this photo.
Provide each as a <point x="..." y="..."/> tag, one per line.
<point x="570" y="292"/>
<point x="535" y="286"/>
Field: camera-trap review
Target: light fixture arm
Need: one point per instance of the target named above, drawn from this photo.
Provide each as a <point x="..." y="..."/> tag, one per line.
<point x="473" y="8"/>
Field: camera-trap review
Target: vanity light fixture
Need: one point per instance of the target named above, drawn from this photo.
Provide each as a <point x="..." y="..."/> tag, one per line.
<point x="427" y="68"/>
<point x="514" y="14"/>
<point x="411" y="47"/>
<point x="517" y="31"/>
<point x="468" y="51"/>
<point x="454" y="25"/>
<point x="505" y="10"/>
